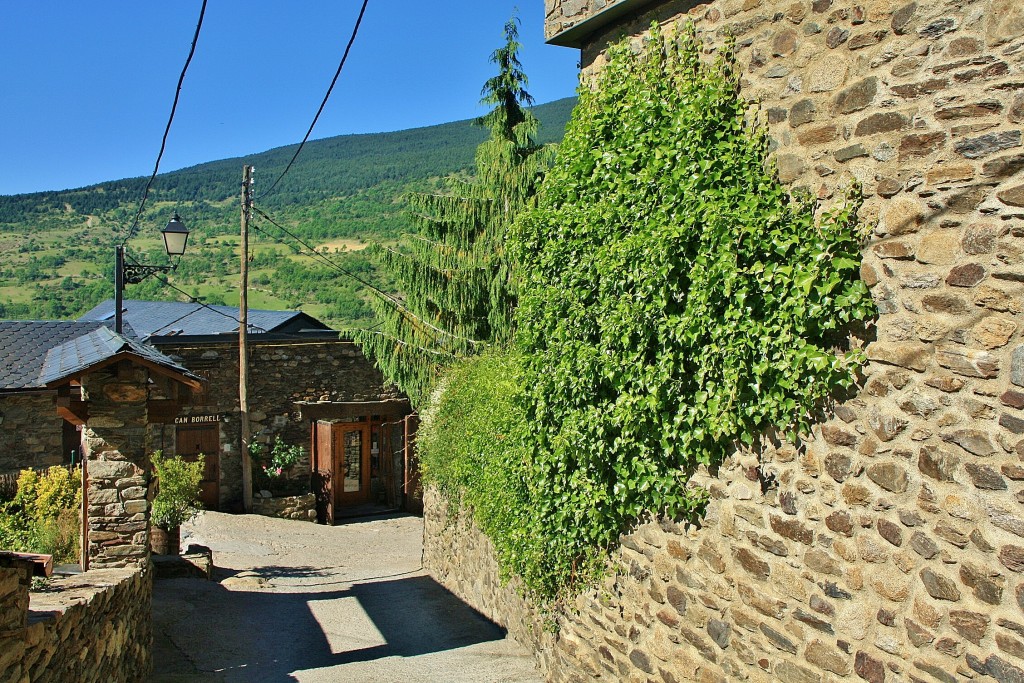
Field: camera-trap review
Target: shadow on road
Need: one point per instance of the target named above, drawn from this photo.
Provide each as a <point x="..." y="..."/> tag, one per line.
<point x="257" y="635"/>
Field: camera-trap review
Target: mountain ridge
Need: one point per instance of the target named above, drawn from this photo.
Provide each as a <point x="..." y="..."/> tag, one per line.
<point x="198" y="184"/>
<point x="343" y="192"/>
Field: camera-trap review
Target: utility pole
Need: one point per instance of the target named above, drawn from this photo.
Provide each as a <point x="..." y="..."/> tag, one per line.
<point x="118" y="288"/>
<point x="243" y="346"/>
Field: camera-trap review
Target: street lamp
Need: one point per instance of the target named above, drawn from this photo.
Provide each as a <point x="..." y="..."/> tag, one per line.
<point x="175" y="237"/>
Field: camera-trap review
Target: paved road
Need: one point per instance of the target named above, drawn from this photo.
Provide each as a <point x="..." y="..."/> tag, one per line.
<point x="294" y="601"/>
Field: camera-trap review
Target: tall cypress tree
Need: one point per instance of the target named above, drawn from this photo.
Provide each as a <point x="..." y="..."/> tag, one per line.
<point x="457" y="296"/>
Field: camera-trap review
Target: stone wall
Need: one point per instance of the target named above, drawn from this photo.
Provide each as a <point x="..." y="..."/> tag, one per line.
<point x="89" y="628"/>
<point x="118" y="467"/>
<point x="280" y="374"/>
<point x="31" y="432"/>
<point x="888" y="546"/>
<point x="285" y="507"/>
<point x="15" y="580"/>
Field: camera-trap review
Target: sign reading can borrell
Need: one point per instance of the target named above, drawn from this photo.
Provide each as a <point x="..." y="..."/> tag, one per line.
<point x="196" y="419"/>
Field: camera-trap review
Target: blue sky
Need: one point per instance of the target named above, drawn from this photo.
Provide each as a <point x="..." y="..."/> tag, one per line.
<point x="87" y="86"/>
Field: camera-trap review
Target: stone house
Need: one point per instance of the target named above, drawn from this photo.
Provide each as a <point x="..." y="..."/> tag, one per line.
<point x="42" y="407"/>
<point x="109" y="388"/>
<point x="889" y="545"/>
<point x="32" y="434"/>
<point x="307" y="386"/>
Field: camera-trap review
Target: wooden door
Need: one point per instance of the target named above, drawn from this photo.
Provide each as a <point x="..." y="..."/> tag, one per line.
<point x="323" y="471"/>
<point x="352" y="463"/>
<point x="203" y="440"/>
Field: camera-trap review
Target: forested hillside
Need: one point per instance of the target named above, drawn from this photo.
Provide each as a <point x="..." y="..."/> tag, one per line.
<point x="341" y="194"/>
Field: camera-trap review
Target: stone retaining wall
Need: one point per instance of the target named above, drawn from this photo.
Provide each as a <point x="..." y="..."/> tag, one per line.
<point x="90" y="628"/>
<point x="462" y="559"/>
<point x="287" y="507"/>
<point x="15" y="579"/>
<point x="889" y="546"/>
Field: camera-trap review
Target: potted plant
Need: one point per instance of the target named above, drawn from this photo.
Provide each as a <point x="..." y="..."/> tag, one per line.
<point x="176" y="502"/>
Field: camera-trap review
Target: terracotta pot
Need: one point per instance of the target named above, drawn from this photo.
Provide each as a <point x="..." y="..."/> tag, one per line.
<point x="164" y="541"/>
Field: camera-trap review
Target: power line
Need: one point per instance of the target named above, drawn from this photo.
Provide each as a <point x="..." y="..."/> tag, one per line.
<point x="341" y="65"/>
<point x="167" y="129"/>
<point x="316" y="255"/>
<point x="196" y="301"/>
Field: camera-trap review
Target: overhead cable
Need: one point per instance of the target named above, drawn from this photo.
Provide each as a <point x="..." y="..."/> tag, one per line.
<point x="195" y="300"/>
<point x="323" y="258"/>
<point x="320" y="256"/>
<point x="163" y="143"/>
<point x="341" y="65"/>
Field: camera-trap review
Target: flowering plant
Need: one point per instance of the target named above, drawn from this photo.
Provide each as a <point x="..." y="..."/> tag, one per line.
<point x="282" y="459"/>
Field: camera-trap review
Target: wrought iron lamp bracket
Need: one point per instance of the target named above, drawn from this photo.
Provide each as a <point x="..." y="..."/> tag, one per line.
<point x="134" y="273"/>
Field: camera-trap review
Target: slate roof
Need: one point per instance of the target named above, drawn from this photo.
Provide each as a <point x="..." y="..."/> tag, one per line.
<point x="151" y="319"/>
<point x="25" y="343"/>
<point x="34" y="353"/>
<point x="100" y="345"/>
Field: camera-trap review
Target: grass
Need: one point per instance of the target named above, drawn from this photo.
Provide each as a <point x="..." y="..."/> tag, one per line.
<point x="344" y="245"/>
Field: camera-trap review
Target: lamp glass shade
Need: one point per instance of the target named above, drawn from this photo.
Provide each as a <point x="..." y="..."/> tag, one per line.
<point x="175" y="236"/>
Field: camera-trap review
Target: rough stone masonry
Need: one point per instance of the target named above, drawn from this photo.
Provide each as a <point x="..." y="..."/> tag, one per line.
<point x="891" y="545"/>
<point x="113" y="442"/>
<point x="93" y="627"/>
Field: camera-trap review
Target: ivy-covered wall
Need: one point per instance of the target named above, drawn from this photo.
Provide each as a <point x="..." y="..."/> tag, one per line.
<point x="888" y="546"/>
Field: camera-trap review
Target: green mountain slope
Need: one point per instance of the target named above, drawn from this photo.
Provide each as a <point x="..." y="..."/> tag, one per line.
<point x="341" y="193"/>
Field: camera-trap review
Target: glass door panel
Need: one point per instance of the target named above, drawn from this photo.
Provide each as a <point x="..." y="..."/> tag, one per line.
<point x="353" y="456"/>
<point x="352" y="463"/>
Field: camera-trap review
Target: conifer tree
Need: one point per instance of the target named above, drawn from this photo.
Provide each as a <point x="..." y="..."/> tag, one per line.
<point x="457" y="296"/>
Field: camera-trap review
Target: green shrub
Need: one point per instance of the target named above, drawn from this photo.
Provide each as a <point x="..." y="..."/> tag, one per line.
<point x="57" y="491"/>
<point x="13" y="530"/>
<point x="471" y="447"/>
<point x="283" y="458"/>
<point x="25" y="498"/>
<point x="273" y="471"/>
<point x="44" y="515"/>
<point x="177" y="500"/>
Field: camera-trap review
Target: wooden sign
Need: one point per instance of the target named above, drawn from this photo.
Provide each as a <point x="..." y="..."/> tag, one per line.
<point x="196" y="419"/>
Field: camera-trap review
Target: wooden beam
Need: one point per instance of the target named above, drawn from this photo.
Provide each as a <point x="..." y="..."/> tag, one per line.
<point x="391" y="408"/>
<point x="72" y="408"/>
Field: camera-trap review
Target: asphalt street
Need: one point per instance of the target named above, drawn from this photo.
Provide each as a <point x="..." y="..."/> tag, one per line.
<point x="295" y="601"/>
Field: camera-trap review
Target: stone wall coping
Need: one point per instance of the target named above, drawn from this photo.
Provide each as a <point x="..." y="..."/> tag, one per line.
<point x="577" y="34"/>
<point x="65" y="592"/>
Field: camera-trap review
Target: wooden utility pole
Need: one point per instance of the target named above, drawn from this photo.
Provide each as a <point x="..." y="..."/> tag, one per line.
<point x="243" y="346"/>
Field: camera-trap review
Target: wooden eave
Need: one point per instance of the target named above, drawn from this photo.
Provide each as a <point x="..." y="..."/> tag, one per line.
<point x="136" y="359"/>
<point x="335" y="410"/>
<point x="72" y="408"/>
